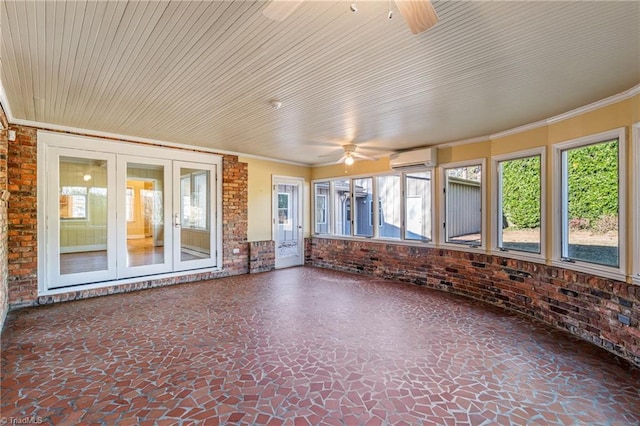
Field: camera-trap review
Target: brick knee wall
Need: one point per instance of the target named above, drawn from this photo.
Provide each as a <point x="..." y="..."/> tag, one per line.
<point x="262" y="256"/>
<point x="603" y="311"/>
<point x="22" y="241"/>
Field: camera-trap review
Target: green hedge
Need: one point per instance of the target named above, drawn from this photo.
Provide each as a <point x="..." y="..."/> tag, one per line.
<point x="593" y="187"/>
<point x="521" y="192"/>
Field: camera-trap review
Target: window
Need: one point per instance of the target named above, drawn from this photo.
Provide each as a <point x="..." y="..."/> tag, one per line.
<point x="518" y="219"/>
<point x="342" y="209"/>
<point x="591" y="194"/>
<point x="321" y="190"/>
<point x="635" y="181"/>
<point x="464" y="200"/>
<point x="418" y="206"/>
<point x="73" y="202"/>
<point x="364" y="206"/>
<point x="284" y="206"/>
<point x="385" y="206"/>
<point x="390" y="203"/>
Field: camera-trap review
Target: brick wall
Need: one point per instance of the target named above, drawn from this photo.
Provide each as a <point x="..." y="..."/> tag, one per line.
<point x="602" y="311"/>
<point x="23" y="237"/>
<point x="22" y="214"/>
<point x="4" y="290"/>
<point x="262" y="256"/>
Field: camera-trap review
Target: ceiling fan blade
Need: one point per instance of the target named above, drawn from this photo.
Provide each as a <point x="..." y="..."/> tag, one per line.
<point x="279" y="10"/>
<point x="341" y="160"/>
<point x="418" y="14"/>
<point x="362" y="156"/>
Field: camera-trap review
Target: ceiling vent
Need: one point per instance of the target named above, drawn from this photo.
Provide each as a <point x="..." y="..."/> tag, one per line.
<point x="417" y="159"/>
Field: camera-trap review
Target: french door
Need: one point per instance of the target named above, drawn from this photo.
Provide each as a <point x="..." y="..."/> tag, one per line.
<point x="113" y="216"/>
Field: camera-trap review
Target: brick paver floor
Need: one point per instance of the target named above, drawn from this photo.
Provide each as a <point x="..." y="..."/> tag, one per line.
<point x="303" y="346"/>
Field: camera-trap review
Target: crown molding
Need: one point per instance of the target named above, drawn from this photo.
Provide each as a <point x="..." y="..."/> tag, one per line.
<point x="463" y="142"/>
<point x="519" y="129"/>
<point x="596" y="105"/>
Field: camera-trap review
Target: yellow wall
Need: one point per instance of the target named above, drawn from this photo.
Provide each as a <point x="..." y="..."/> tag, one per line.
<point x="260" y="195"/>
<point x="358" y="168"/>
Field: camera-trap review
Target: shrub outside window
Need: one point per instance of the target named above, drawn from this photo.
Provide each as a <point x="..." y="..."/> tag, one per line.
<point x="519" y="204"/>
<point x="589" y="226"/>
<point x="590" y="203"/>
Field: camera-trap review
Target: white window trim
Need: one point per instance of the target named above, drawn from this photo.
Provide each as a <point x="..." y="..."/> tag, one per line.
<point x="352" y="237"/>
<point x="523" y="255"/>
<point x="442" y="239"/>
<point x="617" y="273"/>
<point x="635" y="178"/>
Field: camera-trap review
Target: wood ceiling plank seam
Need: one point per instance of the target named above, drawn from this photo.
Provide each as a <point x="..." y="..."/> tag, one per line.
<point x="81" y="62"/>
<point x="117" y="69"/>
<point x="193" y="79"/>
<point x="168" y="87"/>
<point x="134" y="36"/>
<point x="10" y="63"/>
<point x="101" y="52"/>
<point x="65" y="57"/>
<point x="276" y="64"/>
<point x="87" y="62"/>
<point x="74" y="45"/>
<point x="39" y="97"/>
<point x="144" y="24"/>
<point x="57" y="9"/>
<point x="153" y="60"/>
<point x="170" y="72"/>
<point x="26" y="40"/>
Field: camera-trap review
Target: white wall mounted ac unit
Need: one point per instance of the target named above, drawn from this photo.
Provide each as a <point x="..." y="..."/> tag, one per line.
<point x="409" y="160"/>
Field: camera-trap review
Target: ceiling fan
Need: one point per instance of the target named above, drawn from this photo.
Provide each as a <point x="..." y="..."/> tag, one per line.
<point x="418" y="14"/>
<point x="350" y="155"/>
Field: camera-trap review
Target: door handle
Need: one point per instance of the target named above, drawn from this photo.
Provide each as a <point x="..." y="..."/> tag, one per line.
<point x="176" y="220"/>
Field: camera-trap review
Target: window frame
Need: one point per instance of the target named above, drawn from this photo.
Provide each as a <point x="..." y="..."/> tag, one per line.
<point x="495" y="204"/>
<point x="331" y="234"/>
<point x="559" y="210"/>
<point x="442" y="239"/>
<point x="635" y="183"/>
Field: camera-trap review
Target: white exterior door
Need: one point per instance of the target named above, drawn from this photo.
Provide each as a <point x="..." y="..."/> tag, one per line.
<point x="287" y="221"/>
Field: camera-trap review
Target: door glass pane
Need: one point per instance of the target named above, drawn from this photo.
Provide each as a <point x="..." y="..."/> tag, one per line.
<point x="83" y="215"/>
<point x="418" y="206"/>
<point x="195" y="226"/>
<point x="288" y="221"/>
<point x="389" y="195"/>
<point x="145" y="214"/>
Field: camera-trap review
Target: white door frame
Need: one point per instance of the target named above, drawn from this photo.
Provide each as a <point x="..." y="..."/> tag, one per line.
<point x="298" y="259"/>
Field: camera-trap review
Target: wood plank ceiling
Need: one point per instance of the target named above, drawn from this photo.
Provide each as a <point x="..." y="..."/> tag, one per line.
<point x="204" y="73"/>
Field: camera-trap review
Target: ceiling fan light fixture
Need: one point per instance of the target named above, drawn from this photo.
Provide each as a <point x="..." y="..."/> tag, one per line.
<point x="348" y="160"/>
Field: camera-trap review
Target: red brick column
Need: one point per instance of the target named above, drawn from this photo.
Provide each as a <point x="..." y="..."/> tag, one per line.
<point x="22" y="213"/>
